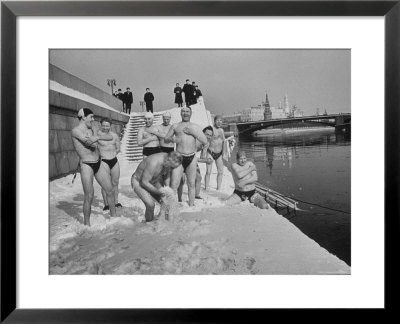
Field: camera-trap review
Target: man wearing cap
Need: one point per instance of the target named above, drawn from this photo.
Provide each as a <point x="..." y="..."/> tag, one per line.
<point x="149" y="98"/>
<point x="162" y="131"/>
<point x="188" y="91"/>
<point x="186" y="134"/>
<point x="128" y="98"/>
<point x="147" y="136"/>
<point x="85" y="144"/>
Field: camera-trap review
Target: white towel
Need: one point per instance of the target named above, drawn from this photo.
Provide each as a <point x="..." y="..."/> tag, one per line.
<point x="227" y="148"/>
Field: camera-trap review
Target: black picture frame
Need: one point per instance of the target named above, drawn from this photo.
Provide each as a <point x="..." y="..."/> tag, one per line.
<point x="10" y="10"/>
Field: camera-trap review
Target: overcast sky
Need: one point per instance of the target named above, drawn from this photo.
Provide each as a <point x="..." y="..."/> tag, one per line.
<point x="230" y="80"/>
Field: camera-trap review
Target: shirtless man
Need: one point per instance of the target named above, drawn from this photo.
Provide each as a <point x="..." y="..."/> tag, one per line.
<point x="208" y="132"/>
<point x="163" y="130"/>
<point x="147" y="137"/>
<point x="85" y="144"/>
<point x="151" y="175"/>
<point x="215" y="151"/>
<point x="108" y="152"/>
<point x="245" y="176"/>
<point x="186" y="134"/>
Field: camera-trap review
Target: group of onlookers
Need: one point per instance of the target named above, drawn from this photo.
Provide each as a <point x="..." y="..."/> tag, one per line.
<point x="190" y="90"/>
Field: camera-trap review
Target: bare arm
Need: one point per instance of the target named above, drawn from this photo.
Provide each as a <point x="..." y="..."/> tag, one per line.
<point x="169" y="138"/>
<point x="196" y="132"/>
<point x="242" y="173"/>
<point x="102" y="137"/>
<point x="253" y="178"/>
<point x="83" y="138"/>
<point x="143" y="141"/>
<point x="117" y="144"/>
<point x="145" y="183"/>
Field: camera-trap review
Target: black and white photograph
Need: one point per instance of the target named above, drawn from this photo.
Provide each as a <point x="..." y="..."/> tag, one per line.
<point x="200" y="161"/>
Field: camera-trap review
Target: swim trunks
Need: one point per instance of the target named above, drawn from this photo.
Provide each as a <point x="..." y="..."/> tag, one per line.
<point x="110" y="162"/>
<point x="214" y="155"/>
<point x="151" y="150"/>
<point x="186" y="160"/>
<point x="94" y="165"/>
<point x="166" y="149"/>
<point x="245" y="195"/>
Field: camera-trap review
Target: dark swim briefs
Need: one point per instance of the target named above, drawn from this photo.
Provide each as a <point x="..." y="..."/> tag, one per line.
<point x="110" y="162"/>
<point x="214" y="155"/>
<point x="94" y="165"/>
<point x="151" y="150"/>
<point x="244" y="195"/>
<point x="166" y="149"/>
<point x="186" y="160"/>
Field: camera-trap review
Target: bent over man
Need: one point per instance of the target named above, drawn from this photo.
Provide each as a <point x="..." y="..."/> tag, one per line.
<point x="150" y="176"/>
<point x="85" y="144"/>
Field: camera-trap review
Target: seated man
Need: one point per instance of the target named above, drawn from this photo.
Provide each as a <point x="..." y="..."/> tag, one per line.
<point x="245" y="176"/>
<point x="150" y="176"/>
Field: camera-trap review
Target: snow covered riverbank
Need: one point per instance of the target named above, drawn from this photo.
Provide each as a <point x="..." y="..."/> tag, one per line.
<point x="209" y="238"/>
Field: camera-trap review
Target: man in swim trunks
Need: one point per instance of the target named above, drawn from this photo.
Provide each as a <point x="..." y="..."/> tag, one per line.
<point x="151" y="175"/>
<point x="186" y="134"/>
<point x="245" y="176"/>
<point x="146" y="137"/>
<point x="163" y="130"/>
<point x="108" y="152"/>
<point x="208" y="132"/>
<point x="215" y="151"/>
<point x="85" y="144"/>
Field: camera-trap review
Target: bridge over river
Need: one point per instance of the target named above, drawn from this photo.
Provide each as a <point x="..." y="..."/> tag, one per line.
<point x="340" y="121"/>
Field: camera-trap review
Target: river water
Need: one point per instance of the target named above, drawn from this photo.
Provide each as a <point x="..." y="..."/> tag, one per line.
<point x="312" y="166"/>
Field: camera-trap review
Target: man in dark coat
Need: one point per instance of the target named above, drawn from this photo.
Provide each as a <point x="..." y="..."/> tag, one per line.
<point x="178" y="95"/>
<point x="188" y="91"/>
<point x="120" y="96"/>
<point x="194" y="98"/>
<point x="149" y="98"/>
<point x="198" y="93"/>
<point x="128" y="96"/>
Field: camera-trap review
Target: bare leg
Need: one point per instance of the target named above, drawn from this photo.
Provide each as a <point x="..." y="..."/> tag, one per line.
<point x="115" y="171"/>
<point x="259" y="201"/>
<point x="104" y="180"/>
<point x="176" y="177"/>
<point x="147" y="199"/>
<point x="233" y="200"/>
<point x="180" y="188"/>
<point x="198" y="182"/>
<point x="220" y="171"/>
<point x="88" y="192"/>
<point x="103" y="192"/>
<point x="191" y="180"/>
<point x="207" y="176"/>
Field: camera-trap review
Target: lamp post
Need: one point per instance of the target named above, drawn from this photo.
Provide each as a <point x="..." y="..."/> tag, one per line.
<point x="111" y="83"/>
<point x="142" y="104"/>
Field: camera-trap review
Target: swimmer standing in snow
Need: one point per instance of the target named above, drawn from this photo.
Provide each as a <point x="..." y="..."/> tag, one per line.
<point x="85" y="144"/>
<point x="108" y="152"/>
<point x="185" y="134"/>
<point x="151" y="175"/>
<point x="245" y="176"/>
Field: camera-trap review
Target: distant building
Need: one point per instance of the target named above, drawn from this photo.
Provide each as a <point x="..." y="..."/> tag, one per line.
<point x="231" y="118"/>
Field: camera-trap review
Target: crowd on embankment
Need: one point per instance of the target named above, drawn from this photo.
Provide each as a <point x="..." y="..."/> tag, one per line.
<point x="190" y="92"/>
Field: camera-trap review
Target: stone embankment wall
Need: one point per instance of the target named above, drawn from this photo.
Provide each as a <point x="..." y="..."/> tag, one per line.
<point x="68" y="94"/>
